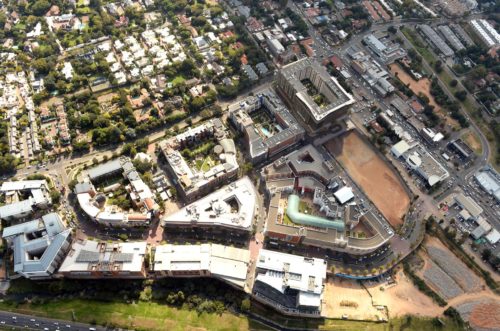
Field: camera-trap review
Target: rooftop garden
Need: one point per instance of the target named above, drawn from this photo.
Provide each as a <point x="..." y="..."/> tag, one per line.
<point x="315" y="94"/>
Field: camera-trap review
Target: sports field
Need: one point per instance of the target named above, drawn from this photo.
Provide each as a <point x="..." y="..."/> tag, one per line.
<point x="379" y="182"/>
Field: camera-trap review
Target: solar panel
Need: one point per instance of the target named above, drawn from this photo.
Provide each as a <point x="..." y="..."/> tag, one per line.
<point x="123" y="257"/>
<point x="88" y="256"/>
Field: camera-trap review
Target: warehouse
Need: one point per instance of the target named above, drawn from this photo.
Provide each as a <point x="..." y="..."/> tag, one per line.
<point x="435" y="40"/>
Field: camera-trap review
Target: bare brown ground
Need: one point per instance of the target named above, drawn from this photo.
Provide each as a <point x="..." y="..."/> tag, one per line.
<point x="404" y="298"/>
<point x="473" y="141"/>
<point x="401" y="299"/>
<point x="372" y="174"/>
<point x="486" y="315"/>
<point x="338" y="290"/>
<point x="486" y="312"/>
<point x="423" y="85"/>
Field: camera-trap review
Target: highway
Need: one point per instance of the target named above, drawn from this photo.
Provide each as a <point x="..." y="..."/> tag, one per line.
<point x="19" y="321"/>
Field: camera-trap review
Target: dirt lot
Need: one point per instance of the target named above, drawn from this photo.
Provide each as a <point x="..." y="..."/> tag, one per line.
<point x="482" y="314"/>
<point x="338" y="290"/>
<point x="477" y="303"/>
<point x="372" y="174"/>
<point x="404" y="298"/>
<point x="421" y="86"/>
<point x="400" y="299"/>
<point x="473" y="141"/>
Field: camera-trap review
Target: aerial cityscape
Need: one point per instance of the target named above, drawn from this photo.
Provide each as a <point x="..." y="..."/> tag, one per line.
<point x="250" y="165"/>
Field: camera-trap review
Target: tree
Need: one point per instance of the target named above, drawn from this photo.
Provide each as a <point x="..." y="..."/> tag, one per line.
<point x="486" y="254"/>
<point x="438" y="66"/>
<point x="461" y="95"/>
<point x="42" y="66"/>
<point x="55" y="196"/>
<point x="392" y="29"/>
<point x="246" y="168"/>
<point x="40" y="7"/>
<point x="72" y="184"/>
<point x="146" y="294"/>
<point x="453" y="83"/>
<point x="245" y="304"/>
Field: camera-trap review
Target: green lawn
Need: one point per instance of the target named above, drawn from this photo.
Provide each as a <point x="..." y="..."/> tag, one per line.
<point x="287" y="220"/>
<point x="139" y="316"/>
<point x="419" y="45"/>
<point x="305" y="208"/>
<point x="446" y="78"/>
<point x="178" y="80"/>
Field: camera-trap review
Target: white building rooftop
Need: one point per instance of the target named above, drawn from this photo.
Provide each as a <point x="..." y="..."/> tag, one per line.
<point x="90" y="255"/>
<point x="224" y="262"/>
<point x="284" y="271"/>
<point x="230" y="206"/>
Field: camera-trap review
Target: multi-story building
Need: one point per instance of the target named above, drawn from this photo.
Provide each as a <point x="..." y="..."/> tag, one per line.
<point x="97" y="259"/>
<point x="267" y="125"/>
<point x="489" y="180"/>
<point x="23" y="197"/>
<point x="226" y="263"/>
<point x="191" y="181"/>
<point x="227" y="214"/>
<point x="93" y="203"/>
<point x="315" y="97"/>
<point x="291" y="283"/>
<point x="421" y="161"/>
<point x="306" y="171"/>
<point x="39" y="246"/>
<point x="386" y="50"/>
<point x="371" y="71"/>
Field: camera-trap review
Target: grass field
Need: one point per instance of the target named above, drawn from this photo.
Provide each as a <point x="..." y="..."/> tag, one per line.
<point x="152" y="316"/>
<point x="139" y="316"/>
<point x="473" y="141"/>
<point x="419" y="45"/>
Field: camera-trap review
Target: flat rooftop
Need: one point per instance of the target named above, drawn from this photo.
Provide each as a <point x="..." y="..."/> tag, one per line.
<point x="22" y="185"/>
<point x="225" y="262"/>
<point x="307" y="68"/>
<point x="231" y="206"/>
<point x="297" y="272"/>
<point x="306" y="160"/>
<point x="97" y="256"/>
<point x="261" y="141"/>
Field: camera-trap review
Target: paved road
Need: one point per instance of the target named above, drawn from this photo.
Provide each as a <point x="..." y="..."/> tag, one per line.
<point x="8" y="319"/>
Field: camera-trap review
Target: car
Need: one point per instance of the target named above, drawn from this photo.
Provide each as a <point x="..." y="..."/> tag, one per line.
<point x="2" y="322"/>
<point x="32" y="320"/>
<point x="68" y="326"/>
<point x="14" y="317"/>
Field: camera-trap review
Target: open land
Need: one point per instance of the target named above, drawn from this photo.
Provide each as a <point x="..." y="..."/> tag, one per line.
<point x="461" y="287"/>
<point x="379" y="182"/>
<point x="423" y="85"/>
<point x="348" y="297"/>
<point x="473" y="141"/>
<point x="445" y="273"/>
